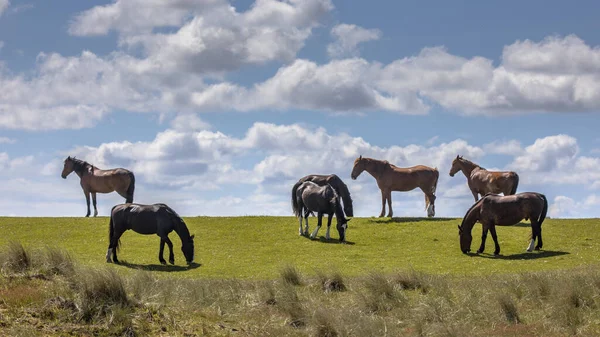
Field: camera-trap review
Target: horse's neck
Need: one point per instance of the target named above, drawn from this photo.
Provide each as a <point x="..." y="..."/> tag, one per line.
<point x="375" y="168"/>
<point x="467" y="168"/>
<point x="181" y="230"/>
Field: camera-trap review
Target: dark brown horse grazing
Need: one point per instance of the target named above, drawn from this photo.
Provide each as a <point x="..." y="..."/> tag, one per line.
<point x="158" y="219"/>
<point x="482" y="181"/>
<point x="393" y="178"/>
<point x="94" y="180"/>
<point x="335" y="182"/>
<point x="495" y="210"/>
<point x="323" y="200"/>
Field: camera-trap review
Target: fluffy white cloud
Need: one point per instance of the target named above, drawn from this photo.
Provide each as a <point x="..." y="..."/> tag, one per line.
<point x="509" y="147"/>
<point x="3" y="5"/>
<point x="565" y="207"/>
<point x="547" y="154"/>
<point x="348" y="37"/>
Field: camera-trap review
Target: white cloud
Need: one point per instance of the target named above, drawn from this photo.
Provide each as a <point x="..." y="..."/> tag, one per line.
<point x="3" y="5"/>
<point x="348" y="37"/>
<point x="189" y="122"/>
<point x="565" y="207"/>
<point x="510" y="147"/>
<point x="547" y="154"/>
<point x="6" y="140"/>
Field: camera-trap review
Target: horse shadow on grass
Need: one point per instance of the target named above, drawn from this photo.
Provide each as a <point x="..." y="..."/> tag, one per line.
<point x="322" y="239"/>
<point x="407" y="219"/>
<point x="521" y="256"/>
<point x="159" y="267"/>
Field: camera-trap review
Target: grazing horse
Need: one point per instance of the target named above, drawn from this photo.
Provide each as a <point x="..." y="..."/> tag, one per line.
<point x="158" y="219"/>
<point x="390" y="178"/>
<point x="335" y="182"/>
<point x="482" y="181"/>
<point x="323" y="200"/>
<point x="94" y="180"/>
<point x="495" y="210"/>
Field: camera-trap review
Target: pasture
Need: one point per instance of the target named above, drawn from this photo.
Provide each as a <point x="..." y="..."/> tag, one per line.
<point x="258" y="247"/>
<point x="256" y="277"/>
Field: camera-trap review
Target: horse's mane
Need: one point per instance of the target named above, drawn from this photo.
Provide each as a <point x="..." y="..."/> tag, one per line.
<point x="472" y="163"/>
<point x="80" y="166"/>
<point x="478" y="203"/>
<point x="343" y="188"/>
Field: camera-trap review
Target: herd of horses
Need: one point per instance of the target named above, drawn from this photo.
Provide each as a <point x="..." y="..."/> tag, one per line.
<point x="328" y="194"/>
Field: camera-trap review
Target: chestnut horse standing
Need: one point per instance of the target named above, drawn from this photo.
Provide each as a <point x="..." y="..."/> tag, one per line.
<point x="94" y="180"/>
<point x="482" y="181"/>
<point x="393" y="178"/>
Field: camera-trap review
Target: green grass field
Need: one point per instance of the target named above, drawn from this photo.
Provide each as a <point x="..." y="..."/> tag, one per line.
<point x="259" y="247"/>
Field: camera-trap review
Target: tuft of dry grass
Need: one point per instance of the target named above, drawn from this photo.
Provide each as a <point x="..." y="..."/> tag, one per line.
<point x="16" y="259"/>
<point x="291" y="275"/>
<point x="331" y="282"/>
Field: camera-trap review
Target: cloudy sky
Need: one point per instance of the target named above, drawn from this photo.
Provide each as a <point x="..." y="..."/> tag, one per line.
<point x="220" y="106"/>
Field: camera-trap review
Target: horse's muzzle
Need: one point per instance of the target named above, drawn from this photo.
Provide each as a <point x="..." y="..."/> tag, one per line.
<point x="63" y="176"/>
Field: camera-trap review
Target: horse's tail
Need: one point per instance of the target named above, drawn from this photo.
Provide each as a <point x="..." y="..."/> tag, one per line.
<point x="131" y="188"/>
<point x="515" y="185"/>
<point x="436" y="176"/>
<point x="295" y="206"/>
<point x="544" y="210"/>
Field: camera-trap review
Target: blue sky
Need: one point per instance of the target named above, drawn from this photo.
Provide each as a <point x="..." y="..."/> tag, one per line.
<point x="207" y="101"/>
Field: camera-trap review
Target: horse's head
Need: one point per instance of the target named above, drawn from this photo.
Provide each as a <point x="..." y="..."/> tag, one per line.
<point x="455" y="165"/>
<point x="342" y="227"/>
<point x="68" y="168"/>
<point x="465" y="240"/>
<point x="187" y="247"/>
<point x="359" y="166"/>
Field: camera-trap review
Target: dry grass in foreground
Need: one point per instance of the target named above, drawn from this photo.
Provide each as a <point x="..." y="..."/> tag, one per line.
<point x="44" y="293"/>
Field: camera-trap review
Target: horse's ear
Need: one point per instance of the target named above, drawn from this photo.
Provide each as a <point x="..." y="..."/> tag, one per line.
<point x="359" y="158"/>
<point x="192" y="237"/>
<point x="457" y="157"/>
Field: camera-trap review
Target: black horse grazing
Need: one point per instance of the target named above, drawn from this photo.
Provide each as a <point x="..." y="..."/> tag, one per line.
<point x="323" y="200"/>
<point x="495" y="210"/>
<point x="335" y="182"/>
<point x="157" y="219"/>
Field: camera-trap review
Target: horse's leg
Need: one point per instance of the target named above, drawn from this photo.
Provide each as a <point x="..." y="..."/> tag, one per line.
<point x="113" y="245"/>
<point x="539" y="237"/>
<point x="94" y="202"/>
<point x="475" y="194"/>
<point x="328" y="225"/>
<point x="428" y="199"/>
<point x="300" y="221"/>
<point x="484" y="233"/>
<point x="383" y="196"/>
<point x="160" y="252"/>
<point x="495" y="237"/>
<point x="170" y="245"/>
<point x="87" y="200"/>
<point x="534" y="234"/>
<point x="319" y="223"/>
<point x="389" y="200"/>
<point x="306" y="214"/>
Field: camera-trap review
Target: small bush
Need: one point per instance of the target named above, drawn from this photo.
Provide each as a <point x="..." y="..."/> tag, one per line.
<point x="290" y="275"/>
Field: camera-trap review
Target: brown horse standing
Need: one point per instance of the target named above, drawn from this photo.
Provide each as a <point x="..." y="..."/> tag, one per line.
<point x="393" y="178"/>
<point x="94" y="180"/>
<point x="482" y="181"/>
<point x="495" y="210"/>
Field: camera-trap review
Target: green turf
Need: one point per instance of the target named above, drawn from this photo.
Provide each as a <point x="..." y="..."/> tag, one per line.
<point x="258" y="247"/>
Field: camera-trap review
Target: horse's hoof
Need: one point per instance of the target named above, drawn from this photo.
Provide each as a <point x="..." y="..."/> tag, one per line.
<point x="163" y="262"/>
<point x="172" y="261"/>
<point x="479" y="251"/>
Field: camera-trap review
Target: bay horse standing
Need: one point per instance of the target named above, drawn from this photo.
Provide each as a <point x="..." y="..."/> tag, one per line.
<point x="323" y="200"/>
<point x="335" y="182"/>
<point x="495" y="210"/>
<point x="94" y="180"/>
<point x="482" y="181"/>
<point x="158" y="219"/>
<point x="390" y="178"/>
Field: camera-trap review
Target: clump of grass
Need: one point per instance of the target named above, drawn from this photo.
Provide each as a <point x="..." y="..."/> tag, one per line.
<point x="57" y="262"/>
<point x="291" y="275"/>
<point x="266" y="293"/>
<point x="100" y="292"/>
<point x="380" y="293"/>
<point x="16" y="259"/>
<point x="331" y="282"/>
<point x="412" y="280"/>
<point x="290" y="305"/>
<point x="509" y="308"/>
<point x="324" y="324"/>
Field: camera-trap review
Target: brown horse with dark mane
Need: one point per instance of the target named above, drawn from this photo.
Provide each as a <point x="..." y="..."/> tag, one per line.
<point x="482" y="181"/>
<point x="495" y="210"/>
<point x="390" y="178"/>
<point x="94" y="180"/>
<point x="335" y="182"/>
